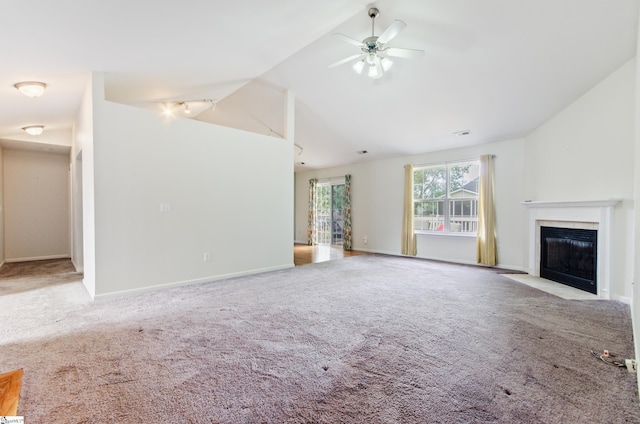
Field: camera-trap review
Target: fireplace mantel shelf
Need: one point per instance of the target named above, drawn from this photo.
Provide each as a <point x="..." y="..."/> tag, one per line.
<point x="571" y="203"/>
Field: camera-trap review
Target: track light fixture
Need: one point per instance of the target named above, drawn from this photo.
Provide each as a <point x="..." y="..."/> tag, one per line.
<point x="187" y="108"/>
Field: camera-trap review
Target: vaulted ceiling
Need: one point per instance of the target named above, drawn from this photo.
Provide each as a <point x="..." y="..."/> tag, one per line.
<point x="498" y="68"/>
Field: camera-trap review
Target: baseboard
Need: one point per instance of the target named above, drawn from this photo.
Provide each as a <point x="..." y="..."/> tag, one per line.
<point x="209" y="279"/>
<point x="78" y="269"/>
<point x="38" y="258"/>
<point x="448" y="260"/>
<point x="513" y="268"/>
<point x="623" y="299"/>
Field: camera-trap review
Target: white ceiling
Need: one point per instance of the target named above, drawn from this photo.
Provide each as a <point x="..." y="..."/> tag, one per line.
<point x="499" y="68"/>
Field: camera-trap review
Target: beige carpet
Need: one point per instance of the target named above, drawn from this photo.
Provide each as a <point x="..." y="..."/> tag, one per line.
<point x="369" y="339"/>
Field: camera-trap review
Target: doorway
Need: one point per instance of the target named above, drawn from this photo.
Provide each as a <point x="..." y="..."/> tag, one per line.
<point x="330" y="213"/>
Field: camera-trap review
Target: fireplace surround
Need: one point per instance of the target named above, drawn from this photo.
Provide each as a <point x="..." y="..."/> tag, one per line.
<point x="586" y="215"/>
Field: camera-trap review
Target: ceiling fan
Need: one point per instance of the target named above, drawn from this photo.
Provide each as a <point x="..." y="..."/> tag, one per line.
<point x="375" y="53"/>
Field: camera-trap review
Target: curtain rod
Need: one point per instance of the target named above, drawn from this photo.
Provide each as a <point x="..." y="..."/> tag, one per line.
<point x="447" y="162"/>
<point x="329" y="179"/>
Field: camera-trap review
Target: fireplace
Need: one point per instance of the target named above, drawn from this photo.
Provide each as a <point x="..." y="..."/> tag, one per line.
<point x="594" y="215"/>
<point x="569" y="256"/>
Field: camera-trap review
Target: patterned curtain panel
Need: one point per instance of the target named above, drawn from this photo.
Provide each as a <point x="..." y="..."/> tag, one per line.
<point x="486" y="214"/>
<point x="408" y="236"/>
<point x="311" y="233"/>
<point x="346" y="241"/>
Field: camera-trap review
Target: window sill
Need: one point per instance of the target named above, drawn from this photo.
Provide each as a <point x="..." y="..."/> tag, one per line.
<point x="442" y="233"/>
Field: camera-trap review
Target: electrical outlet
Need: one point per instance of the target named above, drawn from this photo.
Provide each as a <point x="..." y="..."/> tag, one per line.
<point x="207" y="256"/>
<point x="631" y="364"/>
<point x="365" y="239"/>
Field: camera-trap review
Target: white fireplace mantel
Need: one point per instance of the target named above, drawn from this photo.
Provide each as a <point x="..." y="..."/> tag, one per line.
<point x="572" y="203"/>
<point x="591" y="214"/>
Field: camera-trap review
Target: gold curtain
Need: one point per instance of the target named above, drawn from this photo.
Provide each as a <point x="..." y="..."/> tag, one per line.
<point x="408" y="236"/>
<point x="487" y="254"/>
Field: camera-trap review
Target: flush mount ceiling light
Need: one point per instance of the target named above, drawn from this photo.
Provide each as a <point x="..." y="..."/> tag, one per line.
<point x="34" y="129"/>
<point x="31" y="88"/>
<point x="374" y="52"/>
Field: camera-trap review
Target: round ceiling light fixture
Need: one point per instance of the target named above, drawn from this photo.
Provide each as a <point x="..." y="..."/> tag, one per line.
<point x="31" y="88"/>
<point x="34" y="129"/>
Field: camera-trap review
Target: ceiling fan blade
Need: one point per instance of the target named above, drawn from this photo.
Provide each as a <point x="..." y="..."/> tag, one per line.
<point x="405" y="53"/>
<point x="393" y="30"/>
<point x="347" y="59"/>
<point x="348" y="39"/>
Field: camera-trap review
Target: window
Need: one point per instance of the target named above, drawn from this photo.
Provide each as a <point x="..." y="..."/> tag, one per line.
<point x="445" y="198"/>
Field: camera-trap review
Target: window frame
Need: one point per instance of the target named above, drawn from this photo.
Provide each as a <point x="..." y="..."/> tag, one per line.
<point x="447" y="200"/>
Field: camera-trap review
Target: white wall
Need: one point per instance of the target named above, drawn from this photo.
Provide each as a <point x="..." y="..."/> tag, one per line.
<point x="77" y="244"/>
<point x="636" y="213"/>
<point x="585" y="152"/>
<point x="36" y="205"/>
<point x="82" y="147"/>
<point x="2" y="253"/>
<point x="377" y="205"/>
<point x="242" y="108"/>
<point x="230" y="194"/>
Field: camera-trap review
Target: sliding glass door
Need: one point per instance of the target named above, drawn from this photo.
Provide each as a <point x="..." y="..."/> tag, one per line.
<point x="330" y="213"/>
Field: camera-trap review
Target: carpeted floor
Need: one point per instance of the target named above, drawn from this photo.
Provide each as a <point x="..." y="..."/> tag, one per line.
<point x="368" y="339"/>
<point x="16" y="277"/>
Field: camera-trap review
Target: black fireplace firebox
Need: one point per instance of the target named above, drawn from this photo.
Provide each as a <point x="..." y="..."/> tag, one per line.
<point x="569" y="256"/>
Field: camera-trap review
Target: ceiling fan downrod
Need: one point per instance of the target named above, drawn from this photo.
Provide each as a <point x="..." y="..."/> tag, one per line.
<point x="373" y="14"/>
<point x="370" y="44"/>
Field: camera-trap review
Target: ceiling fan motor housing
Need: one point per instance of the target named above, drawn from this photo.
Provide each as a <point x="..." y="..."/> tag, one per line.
<point x="370" y="44"/>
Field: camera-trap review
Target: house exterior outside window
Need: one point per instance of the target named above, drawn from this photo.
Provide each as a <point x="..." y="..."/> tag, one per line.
<point x="445" y="198"/>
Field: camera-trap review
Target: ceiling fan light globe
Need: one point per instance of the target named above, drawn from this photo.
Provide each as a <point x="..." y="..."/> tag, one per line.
<point x="371" y="59"/>
<point x="386" y="63"/>
<point x="358" y="66"/>
<point x="373" y="72"/>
